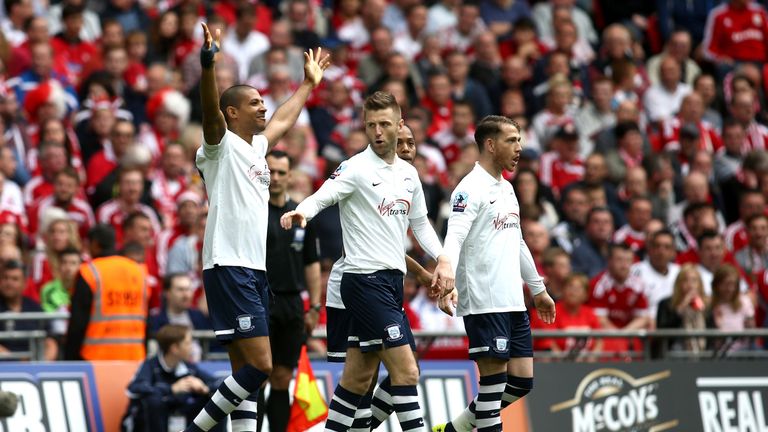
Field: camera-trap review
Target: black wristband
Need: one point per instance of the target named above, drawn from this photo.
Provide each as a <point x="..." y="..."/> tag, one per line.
<point x="206" y="55"/>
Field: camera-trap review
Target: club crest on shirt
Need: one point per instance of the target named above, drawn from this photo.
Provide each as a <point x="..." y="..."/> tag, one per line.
<point x="500" y="344"/>
<point x="244" y="323"/>
<point x="505" y="221"/>
<point x="460" y="202"/>
<point x="338" y="171"/>
<point x="259" y="174"/>
<point x="394" y="333"/>
<point x="394" y="208"/>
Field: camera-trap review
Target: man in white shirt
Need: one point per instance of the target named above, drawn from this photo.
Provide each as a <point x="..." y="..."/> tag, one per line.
<point x="244" y="43"/>
<point x="658" y="270"/>
<point x="485" y="240"/>
<point x="236" y="138"/>
<point x="663" y="100"/>
<point x="379" y="196"/>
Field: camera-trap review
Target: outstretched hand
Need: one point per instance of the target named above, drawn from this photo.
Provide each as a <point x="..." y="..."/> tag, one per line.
<point x="314" y="65"/>
<point x="289" y="218"/>
<point x="211" y="47"/>
<point x="545" y="307"/>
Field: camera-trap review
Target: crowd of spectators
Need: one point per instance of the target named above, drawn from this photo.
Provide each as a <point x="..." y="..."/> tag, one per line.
<point x="642" y="183"/>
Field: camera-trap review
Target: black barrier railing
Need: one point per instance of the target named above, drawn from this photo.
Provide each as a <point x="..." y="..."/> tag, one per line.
<point x="726" y="339"/>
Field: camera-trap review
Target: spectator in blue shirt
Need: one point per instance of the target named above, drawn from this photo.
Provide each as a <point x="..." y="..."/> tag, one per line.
<point x="500" y="14"/>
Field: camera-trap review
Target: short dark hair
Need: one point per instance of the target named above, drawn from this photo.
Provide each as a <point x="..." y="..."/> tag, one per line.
<point x="171" y="334"/>
<point x="70" y="172"/>
<point x="381" y="100"/>
<point x="708" y="235"/>
<point x="660" y="233"/>
<point x="14" y="265"/>
<point x="69" y="250"/>
<point x="71" y="9"/>
<point x="753" y="218"/>
<point x="490" y="127"/>
<point x="132" y="218"/>
<point x="133" y="249"/>
<point x="168" y="279"/>
<point x="694" y="208"/>
<point x="233" y="97"/>
<point x="613" y="247"/>
<point x="597" y="209"/>
<point x="279" y="154"/>
<point x="623" y="128"/>
<point x="102" y="235"/>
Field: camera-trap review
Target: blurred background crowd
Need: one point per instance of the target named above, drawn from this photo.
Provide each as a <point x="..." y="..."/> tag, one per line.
<point x="642" y="184"/>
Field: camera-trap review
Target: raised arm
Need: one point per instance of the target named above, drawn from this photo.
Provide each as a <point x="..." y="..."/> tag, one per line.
<point x="214" y="125"/>
<point x="285" y="116"/>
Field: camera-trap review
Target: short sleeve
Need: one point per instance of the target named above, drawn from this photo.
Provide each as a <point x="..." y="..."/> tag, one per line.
<point x="261" y="144"/>
<point x="212" y="151"/>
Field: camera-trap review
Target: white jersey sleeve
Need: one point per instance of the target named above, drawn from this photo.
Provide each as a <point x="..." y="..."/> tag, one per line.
<point x="340" y="185"/>
<point x="463" y="214"/>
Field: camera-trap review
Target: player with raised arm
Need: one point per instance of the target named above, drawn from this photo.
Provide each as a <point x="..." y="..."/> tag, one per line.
<point x="379" y="195"/>
<point x="236" y="138"/>
<point x="485" y="240"/>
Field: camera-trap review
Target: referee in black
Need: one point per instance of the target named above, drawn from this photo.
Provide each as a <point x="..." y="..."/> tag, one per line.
<point x="292" y="265"/>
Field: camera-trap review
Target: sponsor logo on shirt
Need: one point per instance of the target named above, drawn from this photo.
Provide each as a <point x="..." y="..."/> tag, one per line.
<point x="259" y="174"/>
<point x="394" y="208"/>
<point x="460" y="202"/>
<point x="506" y="221"/>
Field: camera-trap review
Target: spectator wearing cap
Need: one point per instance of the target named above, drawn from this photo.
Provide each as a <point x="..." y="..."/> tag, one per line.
<point x="12" y="300"/>
<point x="57" y="233"/>
<point x="79" y="55"/>
<point x="66" y="191"/>
<point x="188" y="209"/>
<point x="562" y="165"/>
<point x="590" y="251"/>
<point x="662" y="100"/>
<point x="130" y="185"/>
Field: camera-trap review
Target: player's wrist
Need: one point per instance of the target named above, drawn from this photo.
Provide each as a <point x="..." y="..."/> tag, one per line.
<point x="315" y="307"/>
<point x="208" y="56"/>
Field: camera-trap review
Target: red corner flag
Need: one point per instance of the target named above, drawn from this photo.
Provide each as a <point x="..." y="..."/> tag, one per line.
<point x="309" y="407"/>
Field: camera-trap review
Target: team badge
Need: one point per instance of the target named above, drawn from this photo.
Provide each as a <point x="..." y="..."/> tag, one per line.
<point x="460" y="202"/>
<point x="244" y="323"/>
<point x="394" y="333"/>
<point x="756" y="20"/>
<point x="338" y="171"/>
<point x="500" y="344"/>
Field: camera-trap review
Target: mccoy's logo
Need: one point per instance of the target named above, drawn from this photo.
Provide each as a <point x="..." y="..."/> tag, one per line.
<point x="613" y="400"/>
<point x="394" y="208"/>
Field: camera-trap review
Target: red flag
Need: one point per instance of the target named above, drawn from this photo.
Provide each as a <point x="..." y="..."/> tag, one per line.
<point x="309" y="407"/>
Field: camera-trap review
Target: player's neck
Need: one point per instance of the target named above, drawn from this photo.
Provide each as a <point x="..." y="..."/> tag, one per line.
<point x="490" y="167"/>
<point x="278" y="200"/>
<point x="245" y="135"/>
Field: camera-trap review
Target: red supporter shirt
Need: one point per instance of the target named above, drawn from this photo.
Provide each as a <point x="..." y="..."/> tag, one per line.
<point x="40" y="274"/>
<point x="112" y="213"/>
<point x="558" y="174"/>
<point x="736" y="236"/>
<point x="634" y="239"/>
<point x="37" y="188"/>
<point x="78" y="210"/>
<point x="583" y="319"/>
<point x="762" y="299"/>
<point x="441" y="115"/>
<point x="709" y="139"/>
<point x="100" y="165"/>
<point x="740" y="34"/>
<point x="621" y="303"/>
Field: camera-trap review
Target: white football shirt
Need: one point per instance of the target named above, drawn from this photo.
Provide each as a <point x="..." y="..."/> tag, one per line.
<point x="485" y="239"/>
<point x="377" y="201"/>
<point x="657" y="286"/>
<point x="236" y="178"/>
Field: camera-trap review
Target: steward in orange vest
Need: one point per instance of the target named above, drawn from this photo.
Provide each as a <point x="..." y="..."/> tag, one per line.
<point x="109" y="306"/>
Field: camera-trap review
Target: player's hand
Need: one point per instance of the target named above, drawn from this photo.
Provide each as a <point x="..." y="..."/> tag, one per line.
<point x="209" y="40"/>
<point x="442" y="280"/>
<point x="310" y="320"/>
<point x="314" y="65"/>
<point x="545" y="307"/>
<point x="448" y="303"/>
<point x="424" y="278"/>
<point x="289" y="218"/>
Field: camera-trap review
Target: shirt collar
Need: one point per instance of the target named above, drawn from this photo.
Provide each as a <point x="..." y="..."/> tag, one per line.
<point x="487" y="176"/>
<point x="376" y="160"/>
<point x="180" y="370"/>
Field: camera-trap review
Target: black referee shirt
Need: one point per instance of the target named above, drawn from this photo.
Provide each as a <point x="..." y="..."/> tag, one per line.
<point x="288" y="252"/>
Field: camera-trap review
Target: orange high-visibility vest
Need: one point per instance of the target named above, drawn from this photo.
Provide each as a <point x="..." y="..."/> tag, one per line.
<point x="117" y="327"/>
